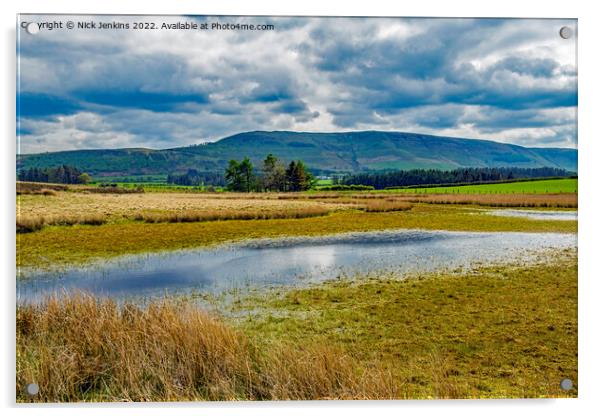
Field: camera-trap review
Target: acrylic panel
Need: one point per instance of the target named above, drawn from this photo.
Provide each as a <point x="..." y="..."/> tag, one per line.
<point x="216" y="208"/>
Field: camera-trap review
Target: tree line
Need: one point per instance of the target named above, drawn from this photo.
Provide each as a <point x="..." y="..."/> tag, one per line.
<point x="273" y="176"/>
<point x="382" y="180"/>
<point x="61" y="174"/>
<point x="195" y="178"/>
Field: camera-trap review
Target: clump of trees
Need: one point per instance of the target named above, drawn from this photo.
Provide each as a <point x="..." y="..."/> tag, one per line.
<point x="195" y="178"/>
<point x="274" y="176"/>
<point x="61" y="174"/>
<point x="403" y="178"/>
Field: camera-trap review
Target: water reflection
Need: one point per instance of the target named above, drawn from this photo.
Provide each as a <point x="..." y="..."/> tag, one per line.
<point x="536" y="215"/>
<point x="287" y="261"/>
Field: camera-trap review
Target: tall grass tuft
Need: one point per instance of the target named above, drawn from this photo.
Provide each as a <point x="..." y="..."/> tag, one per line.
<point x="78" y="348"/>
<point x="39" y="188"/>
<point x="387" y="205"/>
<point x="26" y="224"/>
<point x="565" y="200"/>
<point x="225" y="215"/>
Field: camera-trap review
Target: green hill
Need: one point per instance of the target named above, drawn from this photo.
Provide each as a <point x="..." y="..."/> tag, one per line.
<point x="322" y="152"/>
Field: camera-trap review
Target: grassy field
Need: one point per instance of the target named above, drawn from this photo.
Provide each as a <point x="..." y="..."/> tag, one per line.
<point x="486" y="334"/>
<point x="523" y="187"/>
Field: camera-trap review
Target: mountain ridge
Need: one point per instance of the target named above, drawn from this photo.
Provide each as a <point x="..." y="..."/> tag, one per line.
<point x="327" y="152"/>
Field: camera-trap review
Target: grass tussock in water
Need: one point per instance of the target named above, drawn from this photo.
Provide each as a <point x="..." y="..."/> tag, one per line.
<point x="83" y="349"/>
<point x="27" y="224"/>
<point x="225" y="215"/>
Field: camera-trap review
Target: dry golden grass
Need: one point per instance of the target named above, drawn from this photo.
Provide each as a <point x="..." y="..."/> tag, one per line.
<point x="27" y="224"/>
<point x="38" y="188"/>
<point x="387" y="205"/>
<point x="557" y="200"/>
<point x="568" y="200"/>
<point x="119" y="206"/>
<point x="82" y="349"/>
<point x="224" y="215"/>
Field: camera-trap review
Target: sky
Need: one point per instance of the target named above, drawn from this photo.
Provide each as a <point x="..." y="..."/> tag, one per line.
<point x="509" y="80"/>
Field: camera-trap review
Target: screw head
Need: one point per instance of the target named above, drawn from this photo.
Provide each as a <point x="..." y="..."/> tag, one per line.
<point x="566" y="32"/>
<point x="32" y="389"/>
<point x="566" y="384"/>
<point x="32" y="28"/>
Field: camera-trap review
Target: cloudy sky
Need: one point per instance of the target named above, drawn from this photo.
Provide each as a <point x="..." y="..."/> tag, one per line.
<point x="508" y="80"/>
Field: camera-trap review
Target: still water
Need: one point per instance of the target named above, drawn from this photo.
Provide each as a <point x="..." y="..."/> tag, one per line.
<point x="536" y="215"/>
<point x="287" y="261"/>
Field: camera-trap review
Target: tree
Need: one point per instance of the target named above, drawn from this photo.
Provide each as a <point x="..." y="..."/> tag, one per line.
<point x="240" y="176"/>
<point x="298" y="178"/>
<point x="60" y="174"/>
<point x="233" y="178"/>
<point x="274" y="174"/>
<point x="246" y="173"/>
<point x="84" y="178"/>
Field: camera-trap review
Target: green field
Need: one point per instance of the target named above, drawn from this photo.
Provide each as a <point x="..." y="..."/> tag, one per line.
<point x="526" y="187"/>
<point x="323" y="182"/>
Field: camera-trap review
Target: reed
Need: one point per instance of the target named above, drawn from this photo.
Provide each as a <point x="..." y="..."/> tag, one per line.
<point x="38" y="188"/>
<point x="566" y="200"/>
<point x="225" y="215"/>
<point x="387" y="205"/>
<point x="27" y="224"/>
<point x="78" y="348"/>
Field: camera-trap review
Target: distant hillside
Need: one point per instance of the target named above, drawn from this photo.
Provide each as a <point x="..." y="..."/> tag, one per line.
<point x="322" y="152"/>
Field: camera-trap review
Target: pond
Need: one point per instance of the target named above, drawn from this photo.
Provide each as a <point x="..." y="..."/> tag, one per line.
<point x="536" y="215"/>
<point x="287" y="261"/>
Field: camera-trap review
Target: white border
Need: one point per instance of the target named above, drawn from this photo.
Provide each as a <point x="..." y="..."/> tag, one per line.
<point x="590" y="159"/>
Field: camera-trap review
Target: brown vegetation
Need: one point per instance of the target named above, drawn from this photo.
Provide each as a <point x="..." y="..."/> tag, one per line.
<point x="82" y="349"/>
<point x="567" y="200"/>
<point x="387" y="205"/>
<point x="120" y="206"/>
<point x="224" y="215"/>
<point x="27" y="224"/>
<point x="35" y="188"/>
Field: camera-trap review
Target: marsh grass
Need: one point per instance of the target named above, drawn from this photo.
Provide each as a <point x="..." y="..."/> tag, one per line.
<point x="225" y="215"/>
<point x="387" y="205"/>
<point x="57" y="246"/>
<point x="79" y="348"/>
<point x="28" y="224"/>
<point x="566" y="200"/>
<point x="497" y="331"/>
<point x="38" y="188"/>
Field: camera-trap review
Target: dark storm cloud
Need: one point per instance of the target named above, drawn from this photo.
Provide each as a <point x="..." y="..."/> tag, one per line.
<point x="44" y="105"/>
<point x="155" y="101"/>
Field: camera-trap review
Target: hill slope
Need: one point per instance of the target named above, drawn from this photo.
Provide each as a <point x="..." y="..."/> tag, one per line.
<point x="326" y="152"/>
